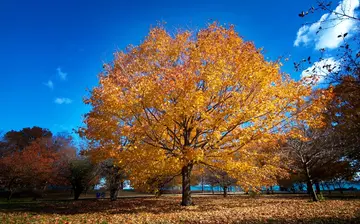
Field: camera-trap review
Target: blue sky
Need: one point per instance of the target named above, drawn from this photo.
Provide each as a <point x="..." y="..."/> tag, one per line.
<point x="52" y="51"/>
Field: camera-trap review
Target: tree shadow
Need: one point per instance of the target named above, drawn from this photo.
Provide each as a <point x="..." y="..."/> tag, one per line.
<point x="168" y="204"/>
<point x="121" y="206"/>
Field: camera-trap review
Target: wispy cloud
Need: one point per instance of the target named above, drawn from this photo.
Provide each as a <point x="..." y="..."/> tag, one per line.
<point x="61" y="74"/>
<point x="49" y="84"/>
<point x="62" y="101"/>
<point x="331" y="27"/>
<point x="319" y="70"/>
<point x="62" y="127"/>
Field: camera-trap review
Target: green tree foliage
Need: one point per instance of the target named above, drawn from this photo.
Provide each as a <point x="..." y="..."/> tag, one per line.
<point x="114" y="175"/>
<point x="82" y="175"/>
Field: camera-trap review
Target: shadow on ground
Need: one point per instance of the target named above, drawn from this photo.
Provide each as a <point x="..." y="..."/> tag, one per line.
<point x="121" y="206"/>
<point x="170" y="205"/>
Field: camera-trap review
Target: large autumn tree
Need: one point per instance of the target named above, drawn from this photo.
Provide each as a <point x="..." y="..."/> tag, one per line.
<point x="176" y="101"/>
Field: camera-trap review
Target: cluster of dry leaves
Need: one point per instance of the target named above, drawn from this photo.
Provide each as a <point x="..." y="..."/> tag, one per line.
<point x="237" y="209"/>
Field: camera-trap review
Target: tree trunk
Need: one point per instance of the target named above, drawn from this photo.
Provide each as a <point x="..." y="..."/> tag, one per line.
<point x="317" y="186"/>
<point x="113" y="194"/>
<point x="10" y="194"/>
<point x="186" y="192"/>
<point x="202" y="184"/>
<point x="43" y="191"/>
<point x="212" y="189"/>
<point x="271" y="190"/>
<point x="11" y="190"/>
<point x="77" y="192"/>
<point x="115" y="184"/>
<point x="225" y="191"/>
<point x="122" y="185"/>
<point x="34" y="194"/>
<point x="311" y="190"/>
<point x="309" y="184"/>
<point x="308" y="187"/>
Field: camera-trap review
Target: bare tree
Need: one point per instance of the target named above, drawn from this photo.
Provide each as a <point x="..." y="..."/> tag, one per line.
<point x="308" y="154"/>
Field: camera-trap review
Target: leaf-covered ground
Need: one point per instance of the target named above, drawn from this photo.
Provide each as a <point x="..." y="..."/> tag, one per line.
<point x="235" y="209"/>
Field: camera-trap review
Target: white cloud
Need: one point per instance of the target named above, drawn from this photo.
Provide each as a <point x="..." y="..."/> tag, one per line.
<point x="62" y="101"/>
<point x="61" y="74"/>
<point x="49" y="84"/>
<point x="331" y="27"/>
<point x="62" y="127"/>
<point x="316" y="73"/>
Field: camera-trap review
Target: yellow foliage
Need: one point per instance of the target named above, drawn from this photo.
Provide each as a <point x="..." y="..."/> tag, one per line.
<point x="206" y="98"/>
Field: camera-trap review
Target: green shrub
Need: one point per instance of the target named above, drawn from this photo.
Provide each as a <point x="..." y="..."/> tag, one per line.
<point x="321" y="197"/>
<point x="254" y="194"/>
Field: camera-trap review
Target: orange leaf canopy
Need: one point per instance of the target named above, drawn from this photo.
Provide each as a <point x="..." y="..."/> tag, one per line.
<point x="204" y="98"/>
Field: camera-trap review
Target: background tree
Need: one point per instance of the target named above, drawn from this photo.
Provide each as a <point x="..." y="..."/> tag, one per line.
<point x="316" y="156"/>
<point x="18" y="140"/>
<point x="114" y="176"/>
<point x="174" y="102"/>
<point x="345" y="117"/>
<point x="220" y="178"/>
<point x="33" y="158"/>
<point x="67" y="151"/>
<point x="82" y="175"/>
<point x="28" y="159"/>
<point x="344" y="74"/>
